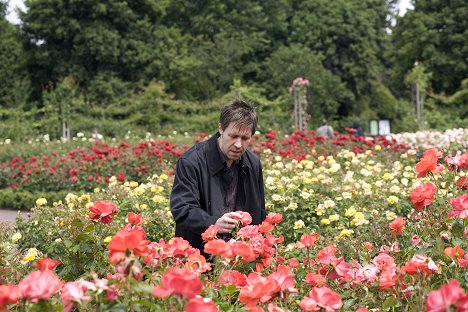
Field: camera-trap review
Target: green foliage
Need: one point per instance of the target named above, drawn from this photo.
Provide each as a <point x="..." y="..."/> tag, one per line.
<point x="116" y="51"/>
<point x="12" y="199"/>
<point x="349" y="34"/>
<point x="434" y="33"/>
<point x="274" y="114"/>
<point x="90" y="39"/>
<point x="326" y="92"/>
<point x="77" y="241"/>
<point x="405" y="118"/>
<point x="14" y="84"/>
<point x="383" y="102"/>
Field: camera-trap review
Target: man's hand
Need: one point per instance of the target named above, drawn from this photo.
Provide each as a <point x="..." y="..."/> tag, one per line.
<point x="227" y="223"/>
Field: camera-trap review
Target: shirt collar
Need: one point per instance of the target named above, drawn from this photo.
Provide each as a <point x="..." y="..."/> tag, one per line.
<point x="216" y="161"/>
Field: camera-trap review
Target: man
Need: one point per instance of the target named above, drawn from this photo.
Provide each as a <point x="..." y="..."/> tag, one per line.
<point x="325" y="130"/>
<point x="219" y="176"/>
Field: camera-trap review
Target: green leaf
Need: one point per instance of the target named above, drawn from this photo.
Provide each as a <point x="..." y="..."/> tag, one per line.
<point x="347" y="304"/>
<point x="231" y="289"/>
<point x="390" y="302"/>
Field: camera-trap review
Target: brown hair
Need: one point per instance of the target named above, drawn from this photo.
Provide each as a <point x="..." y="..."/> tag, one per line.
<point x="241" y="113"/>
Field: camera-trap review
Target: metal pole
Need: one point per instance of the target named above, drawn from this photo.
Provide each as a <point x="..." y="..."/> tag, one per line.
<point x="418" y="107"/>
<point x="297" y="104"/>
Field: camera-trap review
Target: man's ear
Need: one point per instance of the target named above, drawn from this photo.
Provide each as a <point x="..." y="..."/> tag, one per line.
<point x="220" y="129"/>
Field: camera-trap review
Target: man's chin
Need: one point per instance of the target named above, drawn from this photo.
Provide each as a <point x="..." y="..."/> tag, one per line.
<point x="235" y="156"/>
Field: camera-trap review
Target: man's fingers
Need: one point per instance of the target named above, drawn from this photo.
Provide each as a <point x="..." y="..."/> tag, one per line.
<point x="230" y="220"/>
<point x="235" y="215"/>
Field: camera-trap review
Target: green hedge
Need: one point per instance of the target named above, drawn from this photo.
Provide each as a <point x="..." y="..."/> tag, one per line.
<point x="11" y="199"/>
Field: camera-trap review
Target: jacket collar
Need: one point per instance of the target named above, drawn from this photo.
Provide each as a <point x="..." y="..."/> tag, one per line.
<point x="215" y="161"/>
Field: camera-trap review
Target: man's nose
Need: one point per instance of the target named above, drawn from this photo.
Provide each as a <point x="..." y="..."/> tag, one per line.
<point x="238" y="143"/>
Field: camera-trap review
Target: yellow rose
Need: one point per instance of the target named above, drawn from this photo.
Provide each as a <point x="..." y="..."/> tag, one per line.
<point x="138" y="191"/>
<point x="16" y="237"/>
<point x="41" y="201"/>
<point x="350" y="212"/>
<point x="299" y="224"/>
<point x="158" y="199"/>
<point x="344" y="233"/>
<point x="29" y="257"/>
<point x="392" y="199"/>
<point x="387" y="176"/>
<point x="333" y="217"/>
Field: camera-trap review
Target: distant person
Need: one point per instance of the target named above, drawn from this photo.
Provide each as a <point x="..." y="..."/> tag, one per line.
<point x="325" y="130"/>
<point x="359" y="132"/>
<point x="96" y="135"/>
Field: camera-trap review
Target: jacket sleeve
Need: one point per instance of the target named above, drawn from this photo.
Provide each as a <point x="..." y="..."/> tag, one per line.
<point x="185" y="199"/>
<point x="261" y="187"/>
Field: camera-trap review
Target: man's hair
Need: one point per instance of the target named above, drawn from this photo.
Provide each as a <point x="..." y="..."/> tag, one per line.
<point x="241" y="113"/>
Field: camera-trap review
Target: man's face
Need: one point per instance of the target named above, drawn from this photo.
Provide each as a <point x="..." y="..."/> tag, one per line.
<point x="234" y="141"/>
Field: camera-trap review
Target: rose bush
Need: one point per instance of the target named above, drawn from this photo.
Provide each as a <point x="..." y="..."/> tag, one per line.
<point x="349" y="229"/>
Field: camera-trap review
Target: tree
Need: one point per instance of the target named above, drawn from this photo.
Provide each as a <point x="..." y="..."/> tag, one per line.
<point x="351" y="37"/>
<point x="326" y="90"/>
<point x="14" y="86"/>
<point x="85" y="38"/>
<point x="436" y="34"/>
<point x="231" y="39"/>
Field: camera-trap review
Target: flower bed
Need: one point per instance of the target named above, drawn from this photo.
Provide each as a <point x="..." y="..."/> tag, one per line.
<point x="85" y="165"/>
<point x="451" y="140"/>
<point x="350" y="229"/>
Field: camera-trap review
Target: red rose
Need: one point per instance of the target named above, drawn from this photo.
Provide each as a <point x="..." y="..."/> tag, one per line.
<point x="103" y="211"/>
<point x="39" y="285"/>
<point x="121" y="176"/>
<point x="307" y="240"/>
<point x="258" y="289"/>
<point x="460" y="207"/>
<point x="314" y="280"/>
<point x="217" y="247"/>
<point x="248" y="231"/>
<point x="274" y="218"/>
<point x="326" y="298"/>
<point x="456" y="253"/>
<point x="8" y="294"/>
<point x="233" y="277"/>
<point x="397" y="226"/>
<point x="388" y="278"/>
<point x="210" y="233"/>
<point x="458" y="162"/>
<point x="47" y="264"/>
<point x="246" y="218"/>
<point x="244" y="250"/>
<point x="199" y="304"/>
<point x="446" y="296"/>
<point x="125" y="239"/>
<point x="423" y="195"/>
<point x="134" y="218"/>
<point x="428" y="163"/>
<point x="266" y="227"/>
<point x="462" y="182"/>
<point x="178" y="281"/>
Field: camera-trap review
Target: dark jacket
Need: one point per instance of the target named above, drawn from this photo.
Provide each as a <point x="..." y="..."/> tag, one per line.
<point x="197" y="196"/>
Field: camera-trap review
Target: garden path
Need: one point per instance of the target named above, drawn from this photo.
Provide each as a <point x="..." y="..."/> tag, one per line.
<point x="9" y="216"/>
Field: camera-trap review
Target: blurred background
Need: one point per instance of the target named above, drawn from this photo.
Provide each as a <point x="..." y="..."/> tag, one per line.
<point x="160" y="66"/>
